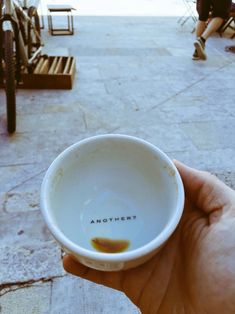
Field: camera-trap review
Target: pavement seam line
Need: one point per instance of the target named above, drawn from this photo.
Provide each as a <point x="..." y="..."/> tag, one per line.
<point x="18" y="185"/>
<point x="11" y="287"/>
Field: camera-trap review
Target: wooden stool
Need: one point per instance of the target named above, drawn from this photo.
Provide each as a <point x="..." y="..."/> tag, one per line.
<point x="60" y="8"/>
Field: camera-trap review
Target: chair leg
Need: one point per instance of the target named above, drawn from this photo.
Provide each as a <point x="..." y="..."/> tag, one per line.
<point x="226" y="25"/>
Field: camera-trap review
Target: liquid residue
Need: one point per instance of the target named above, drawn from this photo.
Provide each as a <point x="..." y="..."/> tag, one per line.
<point x="106" y="245"/>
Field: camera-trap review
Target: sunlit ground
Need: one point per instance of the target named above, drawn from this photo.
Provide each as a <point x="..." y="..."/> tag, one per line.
<point x="124" y="7"/>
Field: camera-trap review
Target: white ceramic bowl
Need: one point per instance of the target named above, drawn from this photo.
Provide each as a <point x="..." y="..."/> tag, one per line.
<point x="112" y="201"/>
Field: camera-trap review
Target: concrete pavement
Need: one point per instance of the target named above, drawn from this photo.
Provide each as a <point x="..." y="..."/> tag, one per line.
<point x="134" y="76"/>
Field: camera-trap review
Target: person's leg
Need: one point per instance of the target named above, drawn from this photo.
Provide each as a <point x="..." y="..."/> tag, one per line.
<point x="200" y="28"/>
<point x="203" y="9"/>
<point x="212" y="27"/>
<point x="199" y="43"/>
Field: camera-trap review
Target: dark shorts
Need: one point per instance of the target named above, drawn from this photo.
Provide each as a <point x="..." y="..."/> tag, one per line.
<point x="219" y="8"/>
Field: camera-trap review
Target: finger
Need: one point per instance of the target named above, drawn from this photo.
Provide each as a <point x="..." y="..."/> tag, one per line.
<point x="109" y="279"/>
<point x="206" y="191"/>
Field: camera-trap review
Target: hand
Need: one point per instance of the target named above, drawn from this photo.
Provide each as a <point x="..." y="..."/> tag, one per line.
<point x="195" y="270"/>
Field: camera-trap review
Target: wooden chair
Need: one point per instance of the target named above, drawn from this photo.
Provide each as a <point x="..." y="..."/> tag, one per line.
<point x="229" y="23"/>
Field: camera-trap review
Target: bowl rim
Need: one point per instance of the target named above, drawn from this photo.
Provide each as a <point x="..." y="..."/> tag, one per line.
<point x="146" y="249"/>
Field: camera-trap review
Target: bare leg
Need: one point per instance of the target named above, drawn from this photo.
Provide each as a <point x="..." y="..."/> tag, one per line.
<point x="200" y="28"/>
<point x="212" y="27"/>
<point x="199" y="43"/>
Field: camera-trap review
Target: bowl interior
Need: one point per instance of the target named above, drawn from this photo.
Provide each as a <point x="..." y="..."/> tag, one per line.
<point x="112" y="189"/>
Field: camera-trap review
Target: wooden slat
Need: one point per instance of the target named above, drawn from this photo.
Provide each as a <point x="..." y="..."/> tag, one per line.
<point x="67" y="66"/>
<point x="72" y="66"/>
<point x="53" y="65"/>
<point x="38" y="66"/>
<point x="45" y="67"/>
<point x="58" y="68"/>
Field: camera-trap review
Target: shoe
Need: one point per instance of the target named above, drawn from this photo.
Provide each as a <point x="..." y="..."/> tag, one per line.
<point x="195" y="55"/>
<point x="230" y="48"/>
<point x="200" y="47"/>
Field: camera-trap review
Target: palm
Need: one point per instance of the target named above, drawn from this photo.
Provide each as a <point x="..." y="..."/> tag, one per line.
<point x="195" y="271"/>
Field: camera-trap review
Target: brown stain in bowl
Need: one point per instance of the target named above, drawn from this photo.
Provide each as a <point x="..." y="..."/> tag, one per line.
<point x="106" y="245"/>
